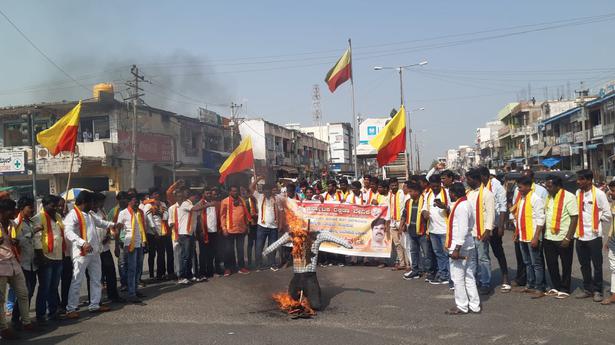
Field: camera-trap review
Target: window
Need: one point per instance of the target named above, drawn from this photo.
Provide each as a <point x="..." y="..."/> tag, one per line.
<point x="16" y="134"/>
<point x="93" y="128"/>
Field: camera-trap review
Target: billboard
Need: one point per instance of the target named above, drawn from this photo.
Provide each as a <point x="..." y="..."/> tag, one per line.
<point x="13" y="162"/>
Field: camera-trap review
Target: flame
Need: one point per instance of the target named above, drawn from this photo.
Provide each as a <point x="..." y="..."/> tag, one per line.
<point x="298" y="229"/>
<point x="292" y="306"/>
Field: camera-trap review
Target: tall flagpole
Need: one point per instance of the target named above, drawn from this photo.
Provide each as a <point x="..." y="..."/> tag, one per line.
<point x="70" y="173"/>
<point x="354" y="118"/>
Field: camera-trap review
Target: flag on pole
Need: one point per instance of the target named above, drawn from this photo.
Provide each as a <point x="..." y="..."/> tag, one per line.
<point x="341" y="72"/>
<point x="392" y="139"/>
<point x="241" y="159"/>
<point x="62" y="136"/>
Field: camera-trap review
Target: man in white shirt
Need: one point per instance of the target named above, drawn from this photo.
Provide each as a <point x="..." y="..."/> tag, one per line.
<point x="85" y="242"/>
<point x="482" y="203"/>
<point x="332" y="195"/>
<point x="521" y="278"/>
<point x="495" y="241"/>
<point x="207" y="237"/>
<point x="188" y="212"/>
<point x="268" y="222"/>
<point x="530" y="220"/>
<point x="179" y="196"/>
<point x="461" y="246"/>
<point x="435" y="209"/>
<point x="157" y="216"/>
<point x="396" y="206"/>
<point x="594" y="220"/>
<point x="133" y="220"/>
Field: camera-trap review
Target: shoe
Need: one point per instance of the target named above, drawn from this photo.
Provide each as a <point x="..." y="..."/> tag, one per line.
<point x="134" y="300"/>
<point x="429" y="277"/>
<point x="438" y="281"/>
<point x="597" y="297"/>
<point x="244" y="271"/>
<point x="227" y="273"/>
<point x="101" y="309"/>
<point x="123" y="288"/>
<point x="382" y="266"/>
<point x="8" y="334"/>
<point x="396" y="268"/>
<point x="194" y="279"/>
<point x="142" y="283"/>
<point x="183" y="281"/>
<point x="411" y="275"/>
<point x="484" y="290"/>
<point x="583" y="294"/>
<point x="275" y="269"/>
<point x="340" y="265"/>
<point x="72" y="315"/>
<point x="537" y="295"/>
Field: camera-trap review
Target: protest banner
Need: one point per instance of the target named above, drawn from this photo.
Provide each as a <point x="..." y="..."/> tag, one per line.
<point x="363" y="226"/>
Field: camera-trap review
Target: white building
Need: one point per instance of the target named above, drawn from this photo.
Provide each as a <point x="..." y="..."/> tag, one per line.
<point x="282" y="152"/>
<point x="340" y="137"/>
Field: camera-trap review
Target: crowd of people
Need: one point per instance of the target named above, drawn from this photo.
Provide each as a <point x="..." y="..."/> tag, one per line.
<point x="442" y="228"/>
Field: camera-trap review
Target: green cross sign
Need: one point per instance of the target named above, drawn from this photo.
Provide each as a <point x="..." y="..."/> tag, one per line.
<point x="17" y="164"/>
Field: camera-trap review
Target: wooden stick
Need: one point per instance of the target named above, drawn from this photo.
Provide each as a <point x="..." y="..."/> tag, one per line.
<point x="70" y="173"/>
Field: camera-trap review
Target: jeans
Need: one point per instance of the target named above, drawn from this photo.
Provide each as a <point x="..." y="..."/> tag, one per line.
<point x="186" y="243"/>
<point x="534" y="263"/>
<point x="134" y="262"/>
<point x="123" y="266"/>
<point x="265" y="234"/>
<point x="553" y="253"/>
<point x="109" y="274"/>
<point x="30" y="277"/>
<point x="164" y="250"/>
<point x="252" y="245"/>
<point x="437" y="242"/>
<point x="152" y="246"/>
<point x="590" y="253"/>
<point x="521" y="277"/>
<point x="483" y="269"/>
<point x="67" y="276"/>
<point x="420" y="253"/>
<point x="498" y="252"/>
<point x="16" y="282"/>
<point x="308" y="283"/>
<point x="49" y="280"/>
<point x="234" y="242"/>
<point x="209" y="256"/>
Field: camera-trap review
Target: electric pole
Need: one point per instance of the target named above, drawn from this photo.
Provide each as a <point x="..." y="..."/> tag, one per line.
<point x="135" y="97"/>
<point x="581" y="102"/>
<point x="234" y="123"/>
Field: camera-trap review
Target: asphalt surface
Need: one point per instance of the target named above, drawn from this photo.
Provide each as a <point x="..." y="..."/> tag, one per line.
<point x="363" y="305"/>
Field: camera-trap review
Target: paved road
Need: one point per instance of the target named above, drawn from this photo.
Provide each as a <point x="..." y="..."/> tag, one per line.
<point x="364" y="305"/>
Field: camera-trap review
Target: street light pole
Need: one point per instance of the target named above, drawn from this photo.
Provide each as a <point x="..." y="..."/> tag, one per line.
<point x="408" y="148"/>
<point x="33" y="148"/>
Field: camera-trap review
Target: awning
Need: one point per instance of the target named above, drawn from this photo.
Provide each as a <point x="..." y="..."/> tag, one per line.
<point x="545" y="152"/>
<point x="550" y="162"/>
<point x="188" y="170"/>
<point x="290" y="170"/>
<point x="558" y="117"/>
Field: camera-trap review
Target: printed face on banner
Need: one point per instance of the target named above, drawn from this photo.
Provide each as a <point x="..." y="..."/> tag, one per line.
<point x="363" y="226"/>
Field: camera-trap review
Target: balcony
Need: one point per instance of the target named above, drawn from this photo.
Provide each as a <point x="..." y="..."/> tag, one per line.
<point x="579" y="137"/>
<point x="565" y="138"/>
<point x="503" y="132"/>
<point x="597" y="131"/>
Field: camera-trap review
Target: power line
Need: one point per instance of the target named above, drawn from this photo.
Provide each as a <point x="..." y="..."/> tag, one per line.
<point x="41" y="52"/>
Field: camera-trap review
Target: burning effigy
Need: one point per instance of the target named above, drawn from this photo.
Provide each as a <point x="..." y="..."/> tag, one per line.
<point x="304" y="296"/>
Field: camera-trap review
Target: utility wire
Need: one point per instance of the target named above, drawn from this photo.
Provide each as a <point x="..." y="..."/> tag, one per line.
<point x="42" y="52"/>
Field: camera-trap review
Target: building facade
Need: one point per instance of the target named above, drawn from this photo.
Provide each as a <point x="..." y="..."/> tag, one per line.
<point x="282" y="152"/>
<point x="341" y="142"/>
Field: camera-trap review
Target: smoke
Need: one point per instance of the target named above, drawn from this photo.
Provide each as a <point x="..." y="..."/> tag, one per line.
<point x="179" y="82"/>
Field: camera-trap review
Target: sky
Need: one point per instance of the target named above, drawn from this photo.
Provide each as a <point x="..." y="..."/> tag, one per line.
<point x="267" y="55"/>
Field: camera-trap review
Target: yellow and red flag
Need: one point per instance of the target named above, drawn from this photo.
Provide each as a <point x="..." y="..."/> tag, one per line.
<point x="241" y="159"/>
<point x="341" y="72"/>
<point x="392" y="139"/>
<point x="62" y="136"/>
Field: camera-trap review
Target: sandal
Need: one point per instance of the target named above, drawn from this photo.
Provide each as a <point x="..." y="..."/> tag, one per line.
<point x="455" y="311"/>
<point x="562" y="295"/>
<point x="552" y="293"/>
<point x="608" y="301"/>
<point x="506" y="288"/>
